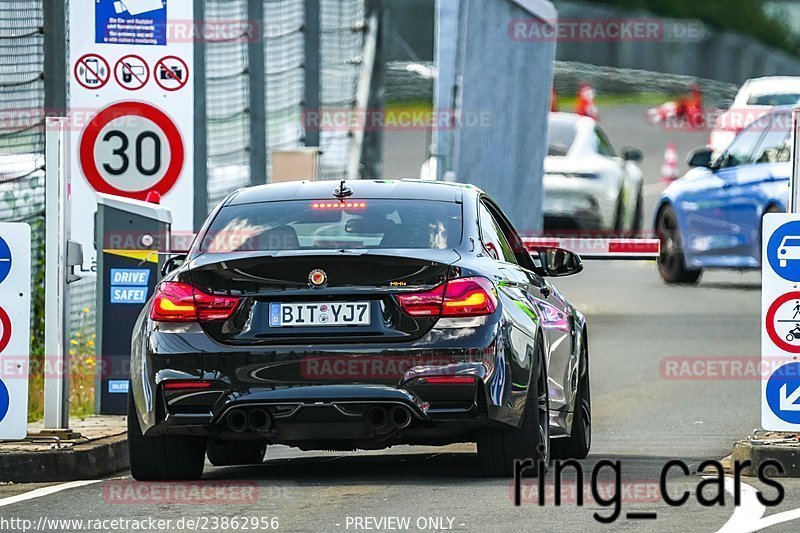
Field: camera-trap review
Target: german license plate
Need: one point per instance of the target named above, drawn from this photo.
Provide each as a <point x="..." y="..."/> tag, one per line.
<point x="319" y="314"/>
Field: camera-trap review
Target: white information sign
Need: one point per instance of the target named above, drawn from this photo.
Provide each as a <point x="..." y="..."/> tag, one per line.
<point x="15" y="335"/>
<point x="780" y="322"/>
<point x="131" y="108"/>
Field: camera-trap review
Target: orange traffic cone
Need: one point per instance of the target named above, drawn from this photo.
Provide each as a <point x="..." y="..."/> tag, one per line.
<point x="585" y="105"/>
<point x="669" y="172"/>
<point x="554" y="101"/>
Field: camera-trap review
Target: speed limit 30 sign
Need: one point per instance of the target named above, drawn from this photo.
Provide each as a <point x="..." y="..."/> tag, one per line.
<point x="131" y="148"/>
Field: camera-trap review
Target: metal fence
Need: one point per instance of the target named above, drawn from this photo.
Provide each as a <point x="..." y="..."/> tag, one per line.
<point x="227" y="104"/>
<point x="230" y="111"/>
<point x="21" y="110"/>
<point x="22" y="97"/>
<point x="341" y="42"/>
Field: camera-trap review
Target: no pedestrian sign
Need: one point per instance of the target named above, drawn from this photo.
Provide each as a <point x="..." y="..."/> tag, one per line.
<point x="780" y="319"/>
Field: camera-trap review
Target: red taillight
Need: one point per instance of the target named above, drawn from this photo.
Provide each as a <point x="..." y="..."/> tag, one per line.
<point x="427" y="303"/>
<point x="188" y="384"/>
<point x="469" y="297"/>
<point x="460" y="297"/>
<point x="181" y="302"/>
<point x="338" y="204"/>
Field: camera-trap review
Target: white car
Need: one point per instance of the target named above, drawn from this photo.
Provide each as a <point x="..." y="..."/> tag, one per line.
<point x="587" y="186"/>
<point x="789" y="250"/>
<point x="755" y="98"/>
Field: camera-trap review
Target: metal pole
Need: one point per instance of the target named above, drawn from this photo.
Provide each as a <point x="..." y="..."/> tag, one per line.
<point x="794" y="191"/>
<point x="363" y="88"/>
<point x="372" y="153"/>
<point x="311" y="65"/>
<point x="258" y="100"/>
<point x="57" y="232"/>
<point x="200" y="124"/>
<point x="55" y="61"/>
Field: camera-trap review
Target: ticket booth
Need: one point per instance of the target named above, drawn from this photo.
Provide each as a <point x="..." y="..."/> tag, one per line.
<point x="129" y="234"/>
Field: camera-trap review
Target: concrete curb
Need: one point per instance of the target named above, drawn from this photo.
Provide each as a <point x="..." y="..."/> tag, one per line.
<point x="90" y="460"/>
<point x="757" y="453"/>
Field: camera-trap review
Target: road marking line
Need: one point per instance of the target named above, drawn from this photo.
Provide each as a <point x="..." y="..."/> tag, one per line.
<point x="749" y="516"/>
<point x="46" y="491"/>
<point x="745" y="515"/>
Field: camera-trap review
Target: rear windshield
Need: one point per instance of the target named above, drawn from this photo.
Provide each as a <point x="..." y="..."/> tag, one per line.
<point x="560" y="136"/>
<point x="332" y="224"/>
<point x="774" y="99"/>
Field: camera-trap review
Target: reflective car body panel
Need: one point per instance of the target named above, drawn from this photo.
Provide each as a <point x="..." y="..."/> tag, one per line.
<point x="316" y="380"/>
<point x="586" y="185"/>
<point x="719" y="210"/>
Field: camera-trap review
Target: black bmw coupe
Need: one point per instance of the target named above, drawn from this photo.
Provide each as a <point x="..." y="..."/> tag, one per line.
<point x="357" y="315"/>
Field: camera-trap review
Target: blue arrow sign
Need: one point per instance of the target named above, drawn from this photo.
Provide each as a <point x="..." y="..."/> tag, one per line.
<point x="5" y="260"/>
<point x="783" y="393"/>
<point x="4" y="400"/>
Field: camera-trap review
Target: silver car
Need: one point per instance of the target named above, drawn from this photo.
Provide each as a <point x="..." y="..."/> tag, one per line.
<point x="587" y="186"/>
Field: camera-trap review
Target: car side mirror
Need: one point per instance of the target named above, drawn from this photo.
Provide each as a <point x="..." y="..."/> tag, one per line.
<point x="632" y="154"/>
<point x="173" y="263"/>
<point x="700" y="158"/>
<point x="557" y="262"/>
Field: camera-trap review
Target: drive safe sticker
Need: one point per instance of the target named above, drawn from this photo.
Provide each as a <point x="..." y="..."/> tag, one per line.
<point x="128" y="295"/>
<point x="130" y="276"/>
<point x="129" y="286"/>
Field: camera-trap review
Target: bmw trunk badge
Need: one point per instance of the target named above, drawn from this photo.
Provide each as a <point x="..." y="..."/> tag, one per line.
<point x="317" y="277"/>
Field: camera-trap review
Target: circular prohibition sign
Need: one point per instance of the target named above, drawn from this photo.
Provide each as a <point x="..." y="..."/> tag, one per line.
<point x="5" y="329"/>
<point x="770" y="322"/>
<point x="121" y="110"/>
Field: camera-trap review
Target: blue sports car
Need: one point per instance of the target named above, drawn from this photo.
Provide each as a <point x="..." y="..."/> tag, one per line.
<point x="711" y="217"/>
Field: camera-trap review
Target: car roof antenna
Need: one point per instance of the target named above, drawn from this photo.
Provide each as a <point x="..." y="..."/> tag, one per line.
<point x="342" y="191"/>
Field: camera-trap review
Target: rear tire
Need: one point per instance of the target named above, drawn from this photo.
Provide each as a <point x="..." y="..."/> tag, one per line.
<point x="579" y="441"/>
<point x="163" y="457"/>
<point x="671" y="261"/>
<point x="638" y="215"/>
<point x="499" y="448"/>
<point x="236" y="453"/>
<point x="619" y="215"/>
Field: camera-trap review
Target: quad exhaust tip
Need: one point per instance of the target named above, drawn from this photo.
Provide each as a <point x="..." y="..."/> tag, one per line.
<point x="400" y="417"/>
<point x="237" y="420"/>
<point x="259" y="420"/>
<point x="379" y="417"/>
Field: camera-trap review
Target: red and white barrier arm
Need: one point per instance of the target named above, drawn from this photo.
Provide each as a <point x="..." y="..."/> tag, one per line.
<point x="608" y="249"/>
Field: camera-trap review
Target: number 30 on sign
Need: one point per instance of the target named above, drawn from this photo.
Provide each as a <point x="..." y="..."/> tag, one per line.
<point x="131" y="148"/>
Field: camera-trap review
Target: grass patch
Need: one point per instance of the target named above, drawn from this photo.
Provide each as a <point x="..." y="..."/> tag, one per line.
<point x="565" y="103"/>
<point x="81" y="368"/>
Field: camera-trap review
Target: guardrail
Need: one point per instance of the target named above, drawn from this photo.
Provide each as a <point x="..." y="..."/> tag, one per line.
<point x="601" y="249"/>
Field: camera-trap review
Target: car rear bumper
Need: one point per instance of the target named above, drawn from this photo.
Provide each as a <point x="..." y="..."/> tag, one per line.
<point x="577" y="204"/>
<point x="321" y="396"/>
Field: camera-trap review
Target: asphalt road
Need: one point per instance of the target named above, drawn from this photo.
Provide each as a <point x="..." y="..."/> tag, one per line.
<point x="646" y="412"/>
